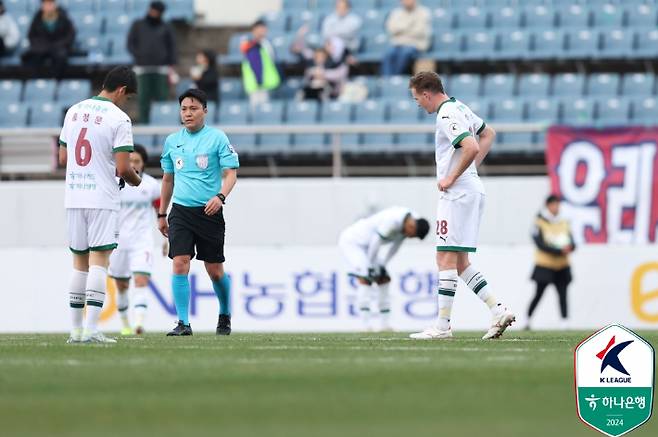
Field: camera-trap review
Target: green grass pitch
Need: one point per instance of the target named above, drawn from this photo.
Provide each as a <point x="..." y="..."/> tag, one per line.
<point x="293" y="385"/>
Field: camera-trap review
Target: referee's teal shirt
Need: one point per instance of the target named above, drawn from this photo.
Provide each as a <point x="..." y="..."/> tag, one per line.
<point x="197" y="161"/>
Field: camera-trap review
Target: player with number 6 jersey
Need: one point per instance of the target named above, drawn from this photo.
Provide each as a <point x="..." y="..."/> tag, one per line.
<point x="95" y="144"/>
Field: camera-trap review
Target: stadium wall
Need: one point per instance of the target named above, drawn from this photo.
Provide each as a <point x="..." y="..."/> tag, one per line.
<point x="226" y="13"/>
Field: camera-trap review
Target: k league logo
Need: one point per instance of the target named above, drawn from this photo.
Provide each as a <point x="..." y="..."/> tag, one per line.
<point x="614" y="376"/>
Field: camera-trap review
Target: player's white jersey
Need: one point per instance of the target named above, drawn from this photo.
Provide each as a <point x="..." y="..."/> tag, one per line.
<point x="454" y="122"/>
<point x="93" y="131"/>
<point x="137" y="214"/>
<point x="388" y="224"/>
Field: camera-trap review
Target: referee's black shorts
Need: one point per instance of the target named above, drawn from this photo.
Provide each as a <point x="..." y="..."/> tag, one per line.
<point x="190" y="228"/>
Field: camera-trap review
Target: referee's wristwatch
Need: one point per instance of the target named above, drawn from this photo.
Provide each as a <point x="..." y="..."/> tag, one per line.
<point x="221" y="197"/>
<point x="162" y="215"/>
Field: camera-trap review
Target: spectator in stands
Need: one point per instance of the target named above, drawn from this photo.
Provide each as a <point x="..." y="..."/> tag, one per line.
<point x="344" y="24"/>
<point x="152" y="43"/>
<point x="51" y="38"/>
<point x="410" y="31"/>
<point x="259" y="71"/>
<point x="9" y="34"/>
<point x="205" y="74"/>
<point x="552" y="236"/>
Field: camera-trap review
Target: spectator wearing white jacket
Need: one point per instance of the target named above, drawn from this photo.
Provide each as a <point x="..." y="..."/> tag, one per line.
<point x="344" y="24"/>
<point x="410" y="30"/>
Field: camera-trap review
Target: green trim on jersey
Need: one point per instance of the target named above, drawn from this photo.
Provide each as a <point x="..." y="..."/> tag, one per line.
<point x="104" y="247"/>
<point x="79" y="252"/>
<point x="456" y="141"/>
<point x="61" y="143"/>
<point x="455" y="249"/>
<point x="120" y="278"/>
<point x="142" y="273"/>
<point x="128" y="148"/>
<point x="451" y="99"/>
<point x="481" y="128"/>
<point x="104" y="99"/>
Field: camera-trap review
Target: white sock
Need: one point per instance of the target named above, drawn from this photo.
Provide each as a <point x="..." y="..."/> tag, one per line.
<point x="384" y="305"/>
<point x="122" y="307"/>
<point x="363" y="302"/>
<point x="77" y="293"/>
<point x="476" y="282"/>
<point x="447" y="290"/>
<point x="96" y="287"/>
<point x="139" y="304"/>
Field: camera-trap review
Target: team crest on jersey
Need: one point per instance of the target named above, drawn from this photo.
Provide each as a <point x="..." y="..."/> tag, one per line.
<point x="454" y="128"/>
<point x="202" y="161"/>
<point x="179" y="163"/>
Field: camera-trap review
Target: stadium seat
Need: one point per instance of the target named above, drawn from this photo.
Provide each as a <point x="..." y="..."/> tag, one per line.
<point x="534" y="85"/>
<point x="211" y="117"/>
<point x="647" y="43"/>
<point x="640" y="16"/>
<point x="373" y="22"/>
<point x="312" y="19"/>
<point x="72" y="91"/>
<point x="498" y="85"/>
<point x="510" y="111"/>
<point x="114" y="7"/>
<point x="638" y="84"/>
<point x="13" y="116"/>
<point x="542" y="110"/>
<point x="513" y="44"/>
<point x="298" y="5"/>
<point x="442" y="20"/>
<point x="568" y="85"/>
<point x="612" y="112"/>
<point x="87" y="24"/>
<point x="617" y="44"/>
<point x="506" y="18"/>
<point x="271" y="113"/>
<point x="338" y="113"/>
<point x="547" y="44"/>
<point x="539" y="17"/>
<point x="582" y="44"/>
<point x="371" y="83"/>
<point x="306" y="113"/>
<point x="79" y="6"/>
<point x="370" y="112"/>
<point x="447" y="46"/>
<point x="645" y="111"/>
<point x="39" y="91"/>
<point x="165" y="114"/>
<point x="573" y="17"/>
<point x="46" y="115"/>
<point x="237" y="113"/>
<point x="374" y="47"/>
<point x="277" y="22"/>
<point x="281" y="45"/>
<point x="478" y="46"/>
<point x="119" y="24"/>
<point x="471" y="18"/>
<point x="407" y="112"/>
<point x="577" y="112"/>
<point x="603" y="84"/>
<point x="465" y="86"/>
<point x="230" y="88"/>
<point x="288" y="89"/>
<point x="233" y="56"/>
<point x="10" y="91"/>
<point x="607" y="16"/>
<point x="180" y="10"/>
<point x="394" y="87"/>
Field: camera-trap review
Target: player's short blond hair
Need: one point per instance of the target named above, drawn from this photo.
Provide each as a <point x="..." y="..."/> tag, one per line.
<point x="426" y="81"/>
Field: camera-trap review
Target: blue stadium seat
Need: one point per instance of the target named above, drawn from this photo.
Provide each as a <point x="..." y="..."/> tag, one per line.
<point x="647" y="43"/>
<point x="470" y="18"/>
<point x="372" y="112"/>
<point x="138" y="6"/>
<point x="13" y="115"/>
<point x="534" y="85"/>
<point x="498" y="85"/>
<point x="446" y="45"/>
<point x="613" y="112"/>
<point x="507" y="111"/>
<point x="603" y="84"/>
<point x="465" y="86"/>
<point x="298" y="5"/>
<point x="180" y="10"/>
<point x="371" y="83"/>
<point x="577" y="112"/>
<point x="234" y="56"/>
<point x="506" y="18"/>
<point x="281" y="45"/>
<point x="617" y="44"/>
<point x="513" y="44"/>
<point x="87" y="24"/>
<point x="119" y="24"/>
<point x="480" y="106"/>
<point x="306" y="113"/>
<point x="46" y="115"/>
<point x="607" y="16"/>
<point x="442" y="20"/>
<point x="373" y="22"/>
<point x="183" y="85"/>
<point x="641" y="15"/>
<point x="165" y="114"/>
<point x="582" y="44"/>
<point x="16" y="7"/>
<point x="394" y="87"/>
<point x="277" y="22"/>
<point x="230" y="88"/>
<point x="547" y="44"/>
<point x="72" y="91"/>
<point x="233" y="113"/>
<point x="638" y="84"/>
<point x="407" y="112"/>
<point x="118" y="50"/>
<point x="288" y="89"/>
<point x="148" y="141"/>
<point x="212" y="112"/>
<point x="568" y="85"/>
<point x="338" y="113"/>
<point x="10" y="91"/>
<point x="80" y="6"/>
<point x="539" y="17"/>
<point x="114" y="7"/>
<point x="645" y="111"/>
<point x="271" y="113"/>
<point x="312" y="19"/>
<point x="39" y="91"/>
<point x="573" y="17"/>
<point x="374" y="47"/>
<point x="542" y="110"/>
<point x="479" y="46"/>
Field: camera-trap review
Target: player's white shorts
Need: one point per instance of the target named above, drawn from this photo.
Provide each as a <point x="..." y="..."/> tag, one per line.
<point x="356" y="257"/>
<point x="126" y="262"/>
<point x="92" y="229"/>
<point x="458" y="219"/>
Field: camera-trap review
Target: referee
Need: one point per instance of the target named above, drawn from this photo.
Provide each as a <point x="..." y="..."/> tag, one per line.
<point x="200" y="170"/>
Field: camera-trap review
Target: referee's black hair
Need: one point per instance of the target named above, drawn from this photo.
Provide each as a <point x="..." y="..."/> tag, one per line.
<point x="142" y="152"/>
<point x="121" y="76"/>
<point x="194" y="93"/>
<point x="553" y="198"/>
<point x="422" y="228"/>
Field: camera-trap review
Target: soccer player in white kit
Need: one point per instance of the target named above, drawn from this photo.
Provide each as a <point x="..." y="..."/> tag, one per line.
<point x="95" y="144"/>
<point x="361" y="243"/>
<point x="134" y="256"/>
<point x="461" y="202"/>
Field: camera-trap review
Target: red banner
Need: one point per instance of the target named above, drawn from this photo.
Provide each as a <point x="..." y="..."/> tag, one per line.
<point x="608" y="180"/>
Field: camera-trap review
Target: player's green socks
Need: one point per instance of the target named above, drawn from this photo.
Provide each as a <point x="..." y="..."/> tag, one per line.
<point x="447" y="290"/>
<point x="77" y="296"/>
<point x="222" y="289"/>
<point x="180" y="285"/>
<point x="476" y="282"/>
<point x="96" y="287"/>
<point x="122" y="307"/>
<point x="139" y="305"/>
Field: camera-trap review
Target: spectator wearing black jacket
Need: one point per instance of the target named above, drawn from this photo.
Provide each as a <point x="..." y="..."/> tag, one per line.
<point x="205" y="74"/>
<point x="152" y="43"/>
<point x="51" y="38"/>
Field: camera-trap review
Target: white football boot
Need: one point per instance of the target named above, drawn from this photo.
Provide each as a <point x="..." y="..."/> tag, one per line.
<point x="76" y="336"/>
<point x="499" y="324"/>
<point x="432" y="333"/>
<point x="97" y="337"/>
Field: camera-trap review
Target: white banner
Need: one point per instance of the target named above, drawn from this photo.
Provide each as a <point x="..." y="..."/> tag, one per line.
<point x="304" y="289"/>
